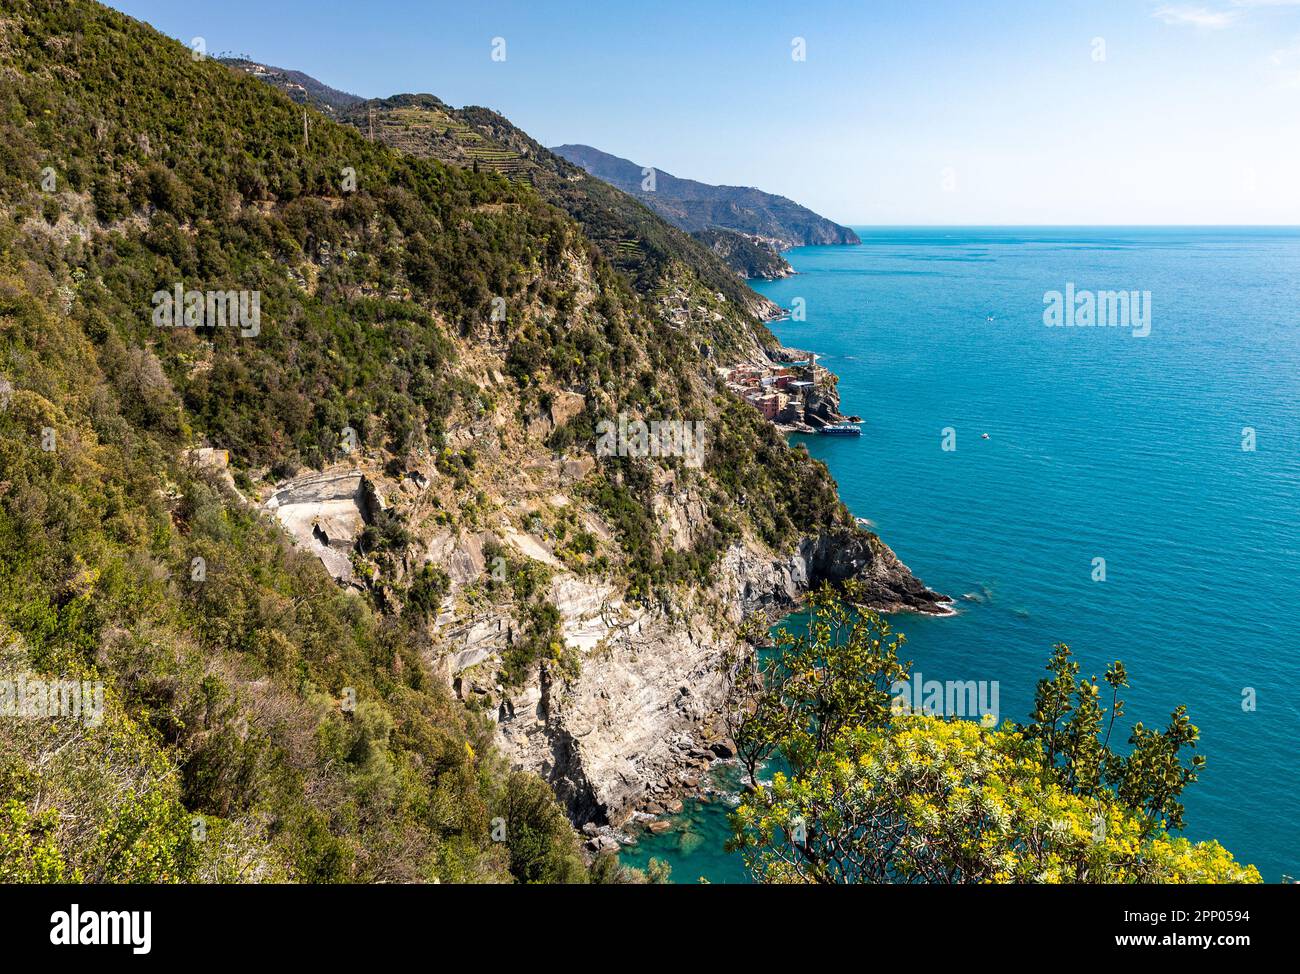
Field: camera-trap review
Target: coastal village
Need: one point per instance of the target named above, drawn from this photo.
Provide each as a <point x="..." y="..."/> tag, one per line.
<point x="793" y="392"/>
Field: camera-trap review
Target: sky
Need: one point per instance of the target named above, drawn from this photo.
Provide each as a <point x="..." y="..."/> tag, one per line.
<point x="901" y="112"/>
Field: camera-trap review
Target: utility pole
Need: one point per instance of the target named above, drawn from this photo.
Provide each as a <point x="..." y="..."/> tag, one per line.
<point x="372" y="123"/>
<point x="306" y="139"/>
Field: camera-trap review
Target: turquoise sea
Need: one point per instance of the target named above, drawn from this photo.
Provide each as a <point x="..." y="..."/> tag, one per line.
<point x="1100" y="445"/>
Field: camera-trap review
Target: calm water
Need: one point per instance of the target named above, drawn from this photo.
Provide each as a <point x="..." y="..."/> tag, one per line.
<point x="1101" y="445"/>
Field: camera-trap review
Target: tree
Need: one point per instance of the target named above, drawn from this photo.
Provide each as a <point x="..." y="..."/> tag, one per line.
<point x="607" y="870"/>
<point x="542" y="845"/>
<point x="28" y="850"/>
<point x="877" y="796"/>
<point x="837" y="674"/>
<point x="1067" y="720"/>
<point x="427" y="590"/>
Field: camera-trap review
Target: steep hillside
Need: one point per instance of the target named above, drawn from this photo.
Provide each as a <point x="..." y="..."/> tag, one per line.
<point x="751" y="257"/>
<point x="663" y="264"/>
<point x="341" y="567"/>
<point x="695" y="206"/>
<point x="660" y="261"/>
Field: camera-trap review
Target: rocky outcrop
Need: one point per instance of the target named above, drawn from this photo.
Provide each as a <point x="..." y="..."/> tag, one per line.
<point x="460" y="556"/>
<point x="639" y="721"/>
<point x="326" y="512"/>
<point x="887" y="585"/>
<point x="612" y="737"/>
<point x="777" y="587"/>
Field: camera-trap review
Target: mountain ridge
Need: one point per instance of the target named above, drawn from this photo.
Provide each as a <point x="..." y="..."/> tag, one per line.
<point x="748" y="254"/>
<point x="298" y="85"/>
<point x="663" y="262"/>
<point x="696" y="206"/>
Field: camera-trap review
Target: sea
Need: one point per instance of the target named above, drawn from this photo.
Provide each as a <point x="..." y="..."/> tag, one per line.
<point x="1129" y="488"/>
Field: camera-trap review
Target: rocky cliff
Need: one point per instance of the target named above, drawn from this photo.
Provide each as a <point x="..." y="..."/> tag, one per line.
<point x="639" y="721"/>
<point x="419" y="413"/>
<point x="627" y="715"/>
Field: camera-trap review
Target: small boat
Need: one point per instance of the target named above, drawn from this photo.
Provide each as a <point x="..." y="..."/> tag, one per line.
<point x="841" y="429"/>
<point x="984" y="436"/>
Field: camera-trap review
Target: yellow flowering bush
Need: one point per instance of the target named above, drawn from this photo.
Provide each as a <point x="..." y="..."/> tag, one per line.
<point x="868" y="794"/>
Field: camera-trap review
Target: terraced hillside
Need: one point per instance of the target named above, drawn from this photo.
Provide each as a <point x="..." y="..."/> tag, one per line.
<point x="424" y="126"/>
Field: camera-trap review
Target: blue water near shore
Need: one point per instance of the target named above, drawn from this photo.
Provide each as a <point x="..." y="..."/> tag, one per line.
<point x="1101" y="445"/>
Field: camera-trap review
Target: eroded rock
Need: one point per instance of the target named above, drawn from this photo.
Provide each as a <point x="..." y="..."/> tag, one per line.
<point x="326" y="512"/>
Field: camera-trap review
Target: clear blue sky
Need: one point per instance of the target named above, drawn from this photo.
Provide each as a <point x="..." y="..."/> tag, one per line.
<point x="904" y="112"/>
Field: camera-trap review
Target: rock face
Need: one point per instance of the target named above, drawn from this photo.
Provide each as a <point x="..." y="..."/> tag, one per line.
<point x="888" y="585"/>
<point x="460" y="556"/>
<point x="639" y="720"/>
<point x="608" y="737"/>
<point x="325" y="512"/>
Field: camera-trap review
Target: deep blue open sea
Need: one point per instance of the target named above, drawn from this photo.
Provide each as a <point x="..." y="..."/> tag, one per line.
<point x="1101" y="445"/>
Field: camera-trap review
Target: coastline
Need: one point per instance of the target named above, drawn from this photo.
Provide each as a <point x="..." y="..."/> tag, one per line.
<point x="857" y="551"/>
<point x="1018" y="518"/>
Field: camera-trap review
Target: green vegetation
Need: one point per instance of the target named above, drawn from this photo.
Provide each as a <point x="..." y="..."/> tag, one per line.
<point x="874" y="794"/>
<point x="607" y="869"/>
<point x="652" y="252"/>
<point x="748" y="256"/>
<point x="262" y="724"/>
<point x="627" y="360"/>
<point x="537" y="834"/>
<point x="427" y="590"/>
<point x="538" y="640"/>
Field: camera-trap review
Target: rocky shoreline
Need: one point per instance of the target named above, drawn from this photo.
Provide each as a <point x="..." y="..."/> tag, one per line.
<point x="640" y="731"/>
<point x="680" y="752"/>
<point x="774" y="590"/>
<point x="638" y="725"/>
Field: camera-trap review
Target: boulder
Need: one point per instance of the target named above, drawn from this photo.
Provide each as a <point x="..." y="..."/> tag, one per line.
<point x="603" y="843"/>
<point x="566" y="405"/>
